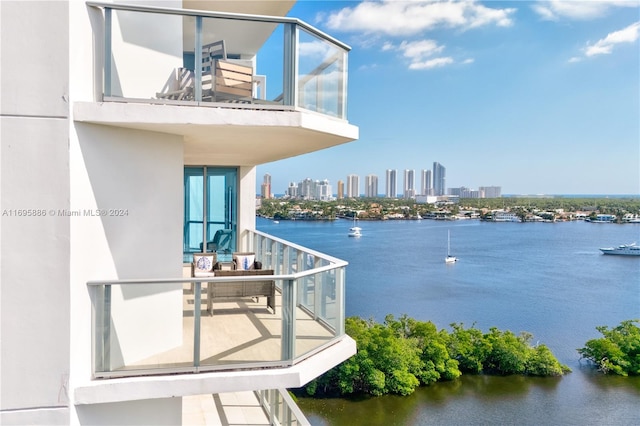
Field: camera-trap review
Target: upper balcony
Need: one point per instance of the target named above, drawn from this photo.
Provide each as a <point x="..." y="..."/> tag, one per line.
<point x="269" y="74"/>
<point x="151" y="336"/>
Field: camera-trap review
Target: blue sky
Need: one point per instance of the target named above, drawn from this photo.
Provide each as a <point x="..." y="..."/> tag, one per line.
<point x="533" y="96"/>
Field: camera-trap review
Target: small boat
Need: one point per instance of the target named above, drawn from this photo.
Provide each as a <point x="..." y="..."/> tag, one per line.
<point x="449" y="258"/>
<point x="355" y="231"/>
<point x="623" y="250"/>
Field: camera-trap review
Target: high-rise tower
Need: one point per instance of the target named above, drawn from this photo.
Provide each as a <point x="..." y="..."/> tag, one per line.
<point x="353" y="186"/>
<point x="426" y="182"/>
<point x="409" y="183"/>
<point x="391" y="189"/>
<point x="439" y="173"/>
<point x="371" y="186"/>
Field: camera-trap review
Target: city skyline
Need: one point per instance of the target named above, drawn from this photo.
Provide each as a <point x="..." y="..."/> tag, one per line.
<point x="539" y="97"/>
<point x="320" y="189"/>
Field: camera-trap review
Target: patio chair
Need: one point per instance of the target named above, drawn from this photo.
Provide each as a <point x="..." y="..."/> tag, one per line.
<point x="179" y="86"/>
<point x="221" y="241"/>
<point x="224" y="79"/>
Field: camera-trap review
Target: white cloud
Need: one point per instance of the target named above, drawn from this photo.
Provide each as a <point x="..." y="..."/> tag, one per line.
<point x="403" y="18"/>
<point x="420" y="49"/>
<point x="431" y="63"/>
<point x="604" y="46"/>
<point x="420" y="54"/>
<point x="554" y="10"/>
<point x="374" y="20"/>
<point x="315" y="49"/>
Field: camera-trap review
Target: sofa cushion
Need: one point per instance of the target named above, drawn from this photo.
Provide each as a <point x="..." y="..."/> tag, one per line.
<point x="203" y="263"/>
<point x="244" y="262"/>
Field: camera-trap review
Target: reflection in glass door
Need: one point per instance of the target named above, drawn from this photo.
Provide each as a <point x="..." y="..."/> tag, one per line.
<point x="211" y="193"/>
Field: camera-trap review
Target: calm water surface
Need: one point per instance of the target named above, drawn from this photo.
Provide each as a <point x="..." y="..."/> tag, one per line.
<point x="549" y="279"/>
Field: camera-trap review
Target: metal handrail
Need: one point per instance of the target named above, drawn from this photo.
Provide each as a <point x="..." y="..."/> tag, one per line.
<point x="281" y="277"/>
<point x="331" y="259"/>
<point x="223" y="15"/>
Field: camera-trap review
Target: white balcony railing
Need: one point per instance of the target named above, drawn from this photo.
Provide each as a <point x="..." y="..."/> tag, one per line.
<point x="161" y="326"/>
<point x="162" y="55"/>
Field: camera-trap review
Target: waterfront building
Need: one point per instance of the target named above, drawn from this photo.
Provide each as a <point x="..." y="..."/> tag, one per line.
<point x="391" y="188"/>
<point x="504" y="216"/>
<point x="324" y="192"/>
<point x="307" y="189"/>
<point x="353" y="186"/>
<point x="108" y="115"/>
<point x="439" y="179"/>
<point x="426" y="185"/>
<point x="292" y="190"/>
<point x="340" y="189"/>
<point x="464" y="192"/>
<point x="371" y="186"/>
<point x="265" y="188"/>
<point x="491" y="191"/>
<point x="409" y="189"/>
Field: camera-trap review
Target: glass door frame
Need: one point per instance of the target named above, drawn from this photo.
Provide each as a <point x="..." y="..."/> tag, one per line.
<point x="225" y="207"/>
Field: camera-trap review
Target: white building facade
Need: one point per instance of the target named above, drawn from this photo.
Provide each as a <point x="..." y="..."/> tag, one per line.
<point x="371" y="186"/>
<point x="426" y="183"/>
<point x="353" y="186"/>
<point x="409" y="183"/>
<point x="391" y="185"/>
<point x="136" y="158"/>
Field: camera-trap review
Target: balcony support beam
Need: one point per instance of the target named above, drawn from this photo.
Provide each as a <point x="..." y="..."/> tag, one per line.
<point x="196" y="323"/>
<point x="290" y="69"/>
<point x="288" y="319"/>
<point x="108" y="29"/>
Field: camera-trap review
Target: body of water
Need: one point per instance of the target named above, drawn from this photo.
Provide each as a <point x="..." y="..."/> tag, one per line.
<point x="549" y="279"/>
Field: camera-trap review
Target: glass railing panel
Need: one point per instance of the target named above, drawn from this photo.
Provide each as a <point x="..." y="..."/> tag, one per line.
<point x="322" y="75"/>
<point x="202" y="59"/>
<point x="151" y="327"/>
<point x="142" y="327"/>
<point x="281" y="408"/>
<point x="317" y="312"/>
<point x="241" y="329"/>
<point x="241" y="61"/>
<point x="145" y="63"/>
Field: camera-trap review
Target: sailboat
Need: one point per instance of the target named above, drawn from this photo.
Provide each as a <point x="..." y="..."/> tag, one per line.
<point x="449" y="258"/>
<point x="355" y="231"/>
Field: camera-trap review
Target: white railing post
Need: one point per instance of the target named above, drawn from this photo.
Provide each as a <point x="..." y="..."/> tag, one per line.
<point x="288" y="319"/>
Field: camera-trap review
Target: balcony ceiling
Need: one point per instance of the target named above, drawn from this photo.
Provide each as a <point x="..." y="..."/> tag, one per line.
<point x="226" y="137"/>
<point x="254" y="7"/>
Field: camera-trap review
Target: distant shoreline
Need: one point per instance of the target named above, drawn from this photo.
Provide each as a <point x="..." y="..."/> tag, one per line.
<point x="585" y="196"/>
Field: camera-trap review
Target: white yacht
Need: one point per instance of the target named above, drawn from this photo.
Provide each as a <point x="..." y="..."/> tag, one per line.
<point x="623" y="250"/>
<point x="355" y="231"/>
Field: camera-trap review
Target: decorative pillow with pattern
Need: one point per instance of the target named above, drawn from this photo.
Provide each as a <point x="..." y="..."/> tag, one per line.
<point x="244" y="262"/>
<point x="203" y="263"/>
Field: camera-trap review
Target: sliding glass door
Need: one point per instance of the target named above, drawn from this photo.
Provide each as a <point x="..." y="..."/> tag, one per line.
<point x="210" y="200"/>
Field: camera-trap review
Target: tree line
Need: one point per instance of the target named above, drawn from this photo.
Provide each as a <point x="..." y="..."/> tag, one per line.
<point x="399" y="355"/>
<point x="378" y="208"/>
